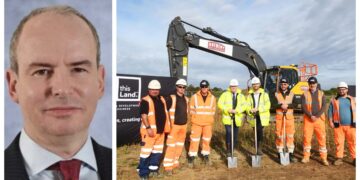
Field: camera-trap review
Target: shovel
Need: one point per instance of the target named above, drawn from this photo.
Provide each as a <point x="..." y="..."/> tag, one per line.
<point x="232" y="161"/>
<point x="284" y="156"/>
<point x="255" y="159"/>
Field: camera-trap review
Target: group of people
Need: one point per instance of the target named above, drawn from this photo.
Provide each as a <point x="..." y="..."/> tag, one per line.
<point x="169" y="117"/>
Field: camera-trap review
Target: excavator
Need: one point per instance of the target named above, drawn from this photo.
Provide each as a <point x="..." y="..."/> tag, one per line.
<point x="179" y="41"/>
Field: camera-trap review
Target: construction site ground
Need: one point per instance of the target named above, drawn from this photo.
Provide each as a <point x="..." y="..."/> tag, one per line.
<point x="128" y="157"/>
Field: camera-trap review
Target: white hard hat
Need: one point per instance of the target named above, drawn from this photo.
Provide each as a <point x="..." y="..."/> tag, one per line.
<point x="154" y="84"/>
<point x="255" y="80"/>
<point x="342" y="85"/>
<point x="234" y="82"/>
<point x="181" y="82"/>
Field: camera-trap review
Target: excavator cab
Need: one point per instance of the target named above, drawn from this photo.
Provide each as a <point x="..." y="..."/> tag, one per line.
<point x="273" y="75"/>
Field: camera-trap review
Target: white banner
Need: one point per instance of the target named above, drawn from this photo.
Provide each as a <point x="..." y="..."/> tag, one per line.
<point x="217" y="46"/>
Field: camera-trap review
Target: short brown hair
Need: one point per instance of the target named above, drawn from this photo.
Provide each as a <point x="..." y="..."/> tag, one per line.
<point x="60" y="9"/>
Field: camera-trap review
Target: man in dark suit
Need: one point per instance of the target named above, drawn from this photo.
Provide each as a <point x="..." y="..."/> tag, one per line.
<point x="57" y="79"/>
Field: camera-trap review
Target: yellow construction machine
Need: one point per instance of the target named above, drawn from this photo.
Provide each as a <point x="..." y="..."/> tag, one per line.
<point x="179" y="41"/>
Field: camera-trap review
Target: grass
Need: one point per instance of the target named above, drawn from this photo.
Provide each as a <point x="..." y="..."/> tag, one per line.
<point x="127" y="159"/>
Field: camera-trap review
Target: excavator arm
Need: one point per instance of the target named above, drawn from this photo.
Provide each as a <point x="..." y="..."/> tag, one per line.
<point x="179" y="41"/>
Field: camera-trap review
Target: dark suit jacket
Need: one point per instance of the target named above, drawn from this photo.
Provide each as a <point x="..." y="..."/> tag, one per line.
<point x="15" y="168"/>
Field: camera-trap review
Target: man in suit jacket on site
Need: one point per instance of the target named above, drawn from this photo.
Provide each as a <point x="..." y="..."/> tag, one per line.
<point x="57" y="79"/>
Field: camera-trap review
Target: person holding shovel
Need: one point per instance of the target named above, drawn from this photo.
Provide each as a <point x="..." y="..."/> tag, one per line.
<point x="258" y="110"/>
<point x="232" y="104"/>
<point x="284" y="114"/>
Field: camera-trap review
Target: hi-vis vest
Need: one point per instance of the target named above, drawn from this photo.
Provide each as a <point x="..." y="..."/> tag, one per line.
<point x="202" y="113"/>
<point x="173" y="107"/>
<point x="308" y="103"/>
<point x="225" y="104"/>
<point x="288" y="100"/>
<point x="151" y="115"/>
<point x="263" y="107"/>
<point x="336" y="109"/>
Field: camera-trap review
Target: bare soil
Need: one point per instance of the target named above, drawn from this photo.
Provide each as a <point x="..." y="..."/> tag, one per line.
<point x="128" y="157"/>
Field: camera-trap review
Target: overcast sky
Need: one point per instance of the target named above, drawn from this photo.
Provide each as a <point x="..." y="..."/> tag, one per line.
<point x="282" y="32"/>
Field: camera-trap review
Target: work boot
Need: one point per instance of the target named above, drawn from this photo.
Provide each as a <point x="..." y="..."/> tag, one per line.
<point x="168" y="173"/>
<point x="155" y="174"/>
<point x="279" y="157"/>
<point x="206" y="160"/>
<point x="260" y="149"/>
<point x="144" y="177"/>
<point x="338" y="162"/>
<point x="354" y="162"/>
<point x="293" y="158"/>
<point x="228" y="153"/>
<point x="228" y="150"/>
<point x="191" y="161"/>
<point x="305" y="160"/>
<point x="324" y="162"/>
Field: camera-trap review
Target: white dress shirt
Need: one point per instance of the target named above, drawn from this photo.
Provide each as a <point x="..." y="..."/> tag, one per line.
<point x="256" y="99"/>
<point x="37" y="160"/>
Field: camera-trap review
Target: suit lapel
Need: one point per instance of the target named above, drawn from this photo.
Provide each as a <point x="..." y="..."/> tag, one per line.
<point x="103" y="160"/>
<point x="15" y="168"/>
<point x="14" y="161"/>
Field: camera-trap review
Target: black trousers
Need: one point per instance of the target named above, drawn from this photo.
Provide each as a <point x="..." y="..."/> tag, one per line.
<point x="259" y="129"/>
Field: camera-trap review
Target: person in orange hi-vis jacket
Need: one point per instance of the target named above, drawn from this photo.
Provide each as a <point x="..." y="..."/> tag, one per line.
<point x="202" y="111"/>
<point x="342" y="116"/>
<point x="285" y="109"/>
<point x="178" y="110"/>
<point x="313" y="105"/>
<point x="154" y="124"/>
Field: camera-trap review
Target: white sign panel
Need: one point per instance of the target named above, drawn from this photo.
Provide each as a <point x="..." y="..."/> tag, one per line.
<point x="217" y="47"/>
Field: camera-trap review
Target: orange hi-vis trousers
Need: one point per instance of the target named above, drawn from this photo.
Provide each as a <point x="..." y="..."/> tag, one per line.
<point x="340" y="134"/>
<point x="174" y="146"/>
<point x="289" y="132"/>
<point x="196" y="133"/>
<point x="151" y="152"/>
<point x="319" y="127"/>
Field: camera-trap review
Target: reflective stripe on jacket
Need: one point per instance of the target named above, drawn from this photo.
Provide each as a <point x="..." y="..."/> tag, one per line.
<point x="173" y="107"/>
<point x="288" y="100"/>
<point x="308" y="103"/>
<point x="225" y="104"/>
<point x="263" y="108"/>
<point x="336" y="109"/>
<point x="202" y="113"/>
<point x="151" y="115"/>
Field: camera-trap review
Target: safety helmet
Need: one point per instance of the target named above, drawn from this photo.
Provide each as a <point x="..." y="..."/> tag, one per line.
<point x="255" y="80"/>
<point x="234" y="82"/>
<point x="312" y="80"/>
<point x="342" y="85"/>
<point x="204" y="83"/>
<point x="154" y="84"/>
<point x="181" y="82"/>
<point x="283" y="80"/>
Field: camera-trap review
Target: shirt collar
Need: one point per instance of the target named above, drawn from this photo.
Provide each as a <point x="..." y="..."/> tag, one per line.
<point x="38" y="159"/>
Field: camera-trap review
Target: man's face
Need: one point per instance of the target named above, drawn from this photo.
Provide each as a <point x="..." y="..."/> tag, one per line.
<point x="342" y="91"/>
<point x="284" y="86"/>
<point x="233" y="89"/>
<point x="58" y="83"/>
<point x="180" y="89"/>
<point x="313" y="86"/>
<point x="154" y="92"/>
<point x="256" y="86"/>
<point x="204" y="89"/>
